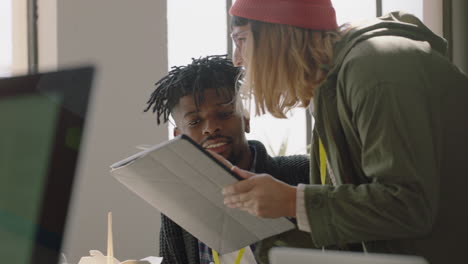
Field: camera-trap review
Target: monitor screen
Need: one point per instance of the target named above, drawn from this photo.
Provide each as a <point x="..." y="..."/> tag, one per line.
<point x="42" y="119"/>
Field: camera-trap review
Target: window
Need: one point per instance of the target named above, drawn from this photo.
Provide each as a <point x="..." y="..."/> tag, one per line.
<point x="414" y="7"/>
<point x="13" y="37"/>
<point x="349" y="11"/>
<point x="199" y="28"/>
<point x="281" y="136"/>
<point x="195" y="29"/>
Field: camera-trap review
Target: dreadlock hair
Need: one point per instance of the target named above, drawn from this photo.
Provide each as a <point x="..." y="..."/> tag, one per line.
<point x="211" y="72"/>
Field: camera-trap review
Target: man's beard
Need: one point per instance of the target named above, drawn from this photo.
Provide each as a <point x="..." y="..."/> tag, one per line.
<point x="234" y="157"/>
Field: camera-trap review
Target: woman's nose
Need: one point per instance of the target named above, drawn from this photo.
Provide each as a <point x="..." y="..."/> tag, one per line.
<point x="237" y="60"/>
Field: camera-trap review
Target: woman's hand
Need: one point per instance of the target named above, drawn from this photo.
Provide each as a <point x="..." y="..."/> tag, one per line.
<point x="261" y="195"/>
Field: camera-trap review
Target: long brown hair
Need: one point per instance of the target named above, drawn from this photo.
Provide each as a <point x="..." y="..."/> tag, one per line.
<point x="285" y="64"/>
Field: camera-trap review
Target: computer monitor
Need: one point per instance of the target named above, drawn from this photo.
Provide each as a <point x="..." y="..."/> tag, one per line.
<point x="42" y="120"/>
<point x="282" y="255"/>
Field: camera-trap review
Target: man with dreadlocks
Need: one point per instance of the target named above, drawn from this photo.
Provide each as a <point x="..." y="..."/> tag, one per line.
<point x="203" y="101"/>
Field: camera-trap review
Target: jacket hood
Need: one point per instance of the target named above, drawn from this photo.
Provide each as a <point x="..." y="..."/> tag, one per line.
<point x="393" y="24"/>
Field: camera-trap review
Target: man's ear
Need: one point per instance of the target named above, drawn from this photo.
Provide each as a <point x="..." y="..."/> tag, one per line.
<point x="176" y="131"/>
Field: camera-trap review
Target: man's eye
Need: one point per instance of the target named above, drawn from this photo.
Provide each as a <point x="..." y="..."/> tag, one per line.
<point x="194" y="122"/>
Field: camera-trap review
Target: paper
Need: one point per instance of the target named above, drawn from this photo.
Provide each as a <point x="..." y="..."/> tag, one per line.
<point x="184" y="182"/>
<point x="96" y="257"/>
<point x="153" y="260"/>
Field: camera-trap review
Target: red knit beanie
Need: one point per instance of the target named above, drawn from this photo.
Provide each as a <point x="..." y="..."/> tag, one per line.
<point x="311" y="14"/>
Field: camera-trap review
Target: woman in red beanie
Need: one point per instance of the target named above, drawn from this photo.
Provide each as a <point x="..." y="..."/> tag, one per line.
<point x="388" y="161"/>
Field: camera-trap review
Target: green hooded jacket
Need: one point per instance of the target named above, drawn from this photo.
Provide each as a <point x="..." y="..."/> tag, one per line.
<point x="393" y="118"/>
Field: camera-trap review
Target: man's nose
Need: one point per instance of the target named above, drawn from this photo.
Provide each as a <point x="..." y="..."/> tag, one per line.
<point x="237" y="60"/>
<point x="212" y="127"/>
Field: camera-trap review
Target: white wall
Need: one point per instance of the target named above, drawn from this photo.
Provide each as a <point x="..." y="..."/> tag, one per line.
<point x="432" y="15"/>
<point x="47" y="34"/>
<point x="127" y="41"/>
<point x="19" y="34"/>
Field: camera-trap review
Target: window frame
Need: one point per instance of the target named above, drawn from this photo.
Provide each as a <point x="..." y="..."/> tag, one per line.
<point x="24" y="47"/>
<point x="32" y="37"/>
<point x="447" y="25"/>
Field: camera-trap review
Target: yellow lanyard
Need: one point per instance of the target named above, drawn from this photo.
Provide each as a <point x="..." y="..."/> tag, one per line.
<point x="238" y="259"/>
<point x="323" y="166"/>
<point x="323" y="162"/>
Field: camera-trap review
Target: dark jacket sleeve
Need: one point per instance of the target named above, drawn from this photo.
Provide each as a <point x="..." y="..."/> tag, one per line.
<point x="289" y="169"/>
<point x="171" y="242"/>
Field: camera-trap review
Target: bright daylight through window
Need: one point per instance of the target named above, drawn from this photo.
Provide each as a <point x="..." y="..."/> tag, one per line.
<point x="199" y="28"/>
<point x="5" y="38"/>
<point x="13" y="37"/>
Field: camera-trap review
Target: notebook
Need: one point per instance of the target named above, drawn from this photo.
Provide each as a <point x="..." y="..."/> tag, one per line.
<point x="42" y="119"/>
